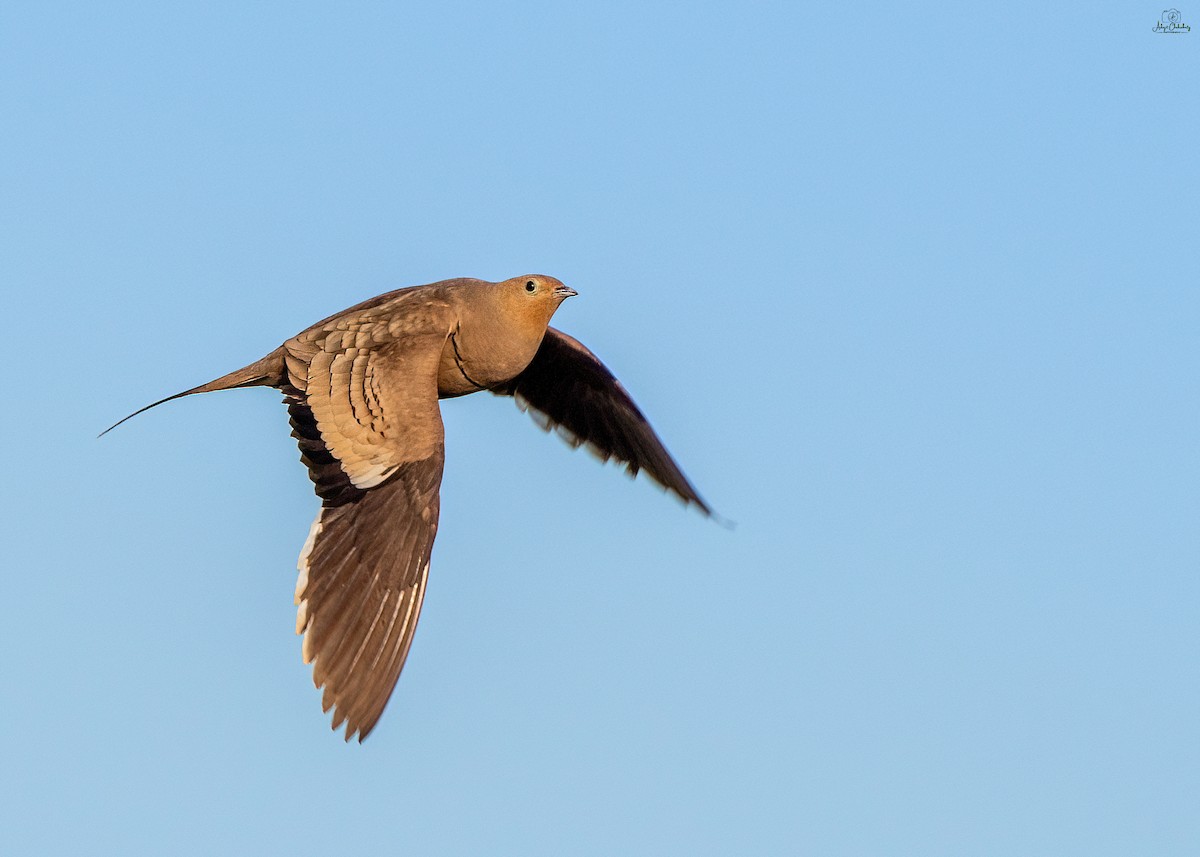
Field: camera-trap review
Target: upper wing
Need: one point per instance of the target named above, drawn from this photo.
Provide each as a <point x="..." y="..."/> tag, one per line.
<point x="570" y="390"/>
<point x="362" y="395"/>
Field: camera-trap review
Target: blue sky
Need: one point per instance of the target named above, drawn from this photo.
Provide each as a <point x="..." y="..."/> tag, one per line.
<point x="910" y="291"/>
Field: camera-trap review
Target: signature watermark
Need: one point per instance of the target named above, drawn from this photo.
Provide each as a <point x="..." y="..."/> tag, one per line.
<point x="1171" y="22"/>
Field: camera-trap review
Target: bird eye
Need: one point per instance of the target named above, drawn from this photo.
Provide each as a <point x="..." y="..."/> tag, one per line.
<point x="530" y="286"/>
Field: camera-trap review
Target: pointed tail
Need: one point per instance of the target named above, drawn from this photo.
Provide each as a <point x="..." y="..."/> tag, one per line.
<point x="268" y="372"/>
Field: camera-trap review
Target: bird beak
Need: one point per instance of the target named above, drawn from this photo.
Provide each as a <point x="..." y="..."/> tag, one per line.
<point x="564" y="292"/>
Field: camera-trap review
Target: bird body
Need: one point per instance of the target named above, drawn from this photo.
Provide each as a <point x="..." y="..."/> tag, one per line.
<point x="362" y="390"/>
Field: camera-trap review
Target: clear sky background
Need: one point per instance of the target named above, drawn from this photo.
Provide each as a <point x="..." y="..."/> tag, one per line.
<point x="910" y="290"/>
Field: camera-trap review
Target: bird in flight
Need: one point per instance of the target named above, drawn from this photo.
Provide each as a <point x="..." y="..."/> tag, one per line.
<point x="362" y="390"/>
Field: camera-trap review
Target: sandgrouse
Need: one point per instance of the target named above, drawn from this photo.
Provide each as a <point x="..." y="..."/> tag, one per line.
<point x="362" y="389"/>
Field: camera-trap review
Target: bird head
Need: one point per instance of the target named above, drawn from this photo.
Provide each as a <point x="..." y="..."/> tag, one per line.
<point x="534" y="297"/>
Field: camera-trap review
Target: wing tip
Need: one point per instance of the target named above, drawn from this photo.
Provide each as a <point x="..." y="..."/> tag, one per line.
<point x="353" y="728"/>
<point x="721" y="521"/>
<point x="706" y="510"/>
